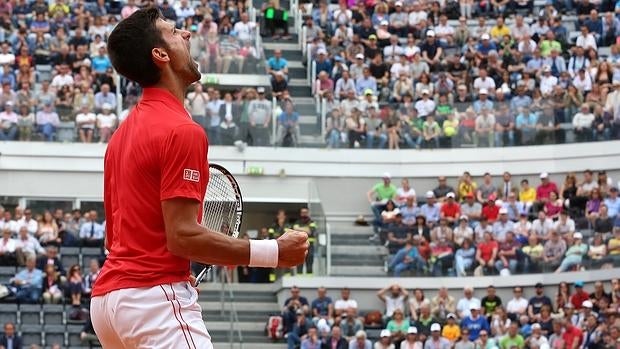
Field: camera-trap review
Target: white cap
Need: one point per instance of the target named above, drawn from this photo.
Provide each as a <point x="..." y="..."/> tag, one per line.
<point x="425" y="91"/>
<point x="503" y="210"/>
<point x="385" y="333"/>
<point x="450" y="195"/>
<point x="536" y="326"/>
<point x="386" y="175"/>
<point x="384" y="22"/>
<point x="106" y="106"/>
<point x="546" y="68"/>
<point x="435" y="327"/>
<point x="483" y="91"/>
<point x="430" y="33"/>
<point x="474" y="306"/>
<point x="260" y="90"/>
<point x="451" y="315"/>
<point x="587" y="304"/>
<point x="359" y="56"/>
<point x="412" y="330"/>
<point x="321" y="51"/>
<point x="430" y="194"/>
<point x="462" y="217"/>
<point x="398" y="3"/>
<point x="544" y="175"/>
<point x="485" y="36"/>
<point x="577" y="235"/>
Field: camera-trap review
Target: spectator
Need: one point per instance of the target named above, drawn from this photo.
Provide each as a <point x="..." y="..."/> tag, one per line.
<point x="349" y="323"/>
<point x="8" y="123"/>
<point x="74" y="283"/>
<point x="385" y="340"/>
<point x="442" y="304"/>
<point x="106" y="122"/>
<point x="474" y="322"/>
<point x="465" y="256"/>
<point x="518" y="305"/>
<point x="26" y="246"/>
<point x="299" y="329"/>
<point x="394" y="297"/>
<point x="574" y="254"/>
<point x="292" y="306"/>
<point x="490" y="302"/>
<point x="52" y="289"/>
<point x="513" y="338"/>
<point x="259" y="112"/>
<point x="487" y="251"/>
<point x="288" y="126"/>
<point x="10" y="339"/>
<point x="47" y="120"/>
<point x="306" y="224"/>
<point x="7" y="249"/>
<point x="451" y="331"/>
<point x="407" y="258"/>
<point x="579" y="296"/>
<point x="442" y="188"/>
<point x="91" y="232"/>
<point x="322" y="307"/>
<point x="85" y="121"/>
<point x="88" y="332"/>
<point x="196" y="103"/>
<point x="582" y="122"/>
<point x="28" y="283"/>
<point x="464" y="304"/>
<point x="537" y="302"/>
<point x="484" y="342"/>
<point x="89" y="279"/>
<point x="104" y="96"/>
<point x="360" y="341"/>
<point x="50" y="258"/>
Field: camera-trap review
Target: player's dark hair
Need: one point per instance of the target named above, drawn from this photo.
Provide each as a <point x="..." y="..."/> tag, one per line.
<point x="130" y="45"/>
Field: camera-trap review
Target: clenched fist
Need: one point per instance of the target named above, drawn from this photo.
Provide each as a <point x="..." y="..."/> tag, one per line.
<point x="292" y="248"/>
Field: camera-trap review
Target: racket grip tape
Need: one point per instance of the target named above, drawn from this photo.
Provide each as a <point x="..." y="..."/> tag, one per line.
<point x="264" y="253"/>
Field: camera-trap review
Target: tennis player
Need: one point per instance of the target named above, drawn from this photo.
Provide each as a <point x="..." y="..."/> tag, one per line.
<point x="155" y="177"/>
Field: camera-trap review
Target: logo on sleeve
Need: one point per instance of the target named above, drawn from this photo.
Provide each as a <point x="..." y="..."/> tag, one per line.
<point x="191" y="175"/>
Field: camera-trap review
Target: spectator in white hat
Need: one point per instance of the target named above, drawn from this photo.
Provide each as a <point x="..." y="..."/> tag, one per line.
<point x="430" y="209"/>
<point x="385" y="340"/>
<point x="536" y="339"/>
<point x="436" y="341"/>
<point x="431" y="49"/>
<point x="411" y="340"/>
<point x="574" y="254"/>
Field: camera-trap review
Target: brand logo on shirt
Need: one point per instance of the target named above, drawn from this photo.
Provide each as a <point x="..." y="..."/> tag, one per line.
<point x="191" y="175"/>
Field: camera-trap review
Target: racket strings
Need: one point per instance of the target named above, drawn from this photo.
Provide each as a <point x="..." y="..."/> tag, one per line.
<point x="220" y="204"/>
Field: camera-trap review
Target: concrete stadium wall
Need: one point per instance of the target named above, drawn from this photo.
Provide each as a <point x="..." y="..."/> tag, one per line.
<point x="364" y="290"/>
<point x="342" y="177"/>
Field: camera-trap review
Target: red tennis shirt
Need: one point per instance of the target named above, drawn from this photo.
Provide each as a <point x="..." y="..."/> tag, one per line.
<point x="157" y="153"/>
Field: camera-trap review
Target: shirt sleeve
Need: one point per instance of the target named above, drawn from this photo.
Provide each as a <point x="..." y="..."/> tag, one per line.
<point x="183" y="163"/>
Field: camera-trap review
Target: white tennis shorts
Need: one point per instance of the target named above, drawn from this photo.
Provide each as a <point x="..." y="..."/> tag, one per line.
<point x="158" y="317"/>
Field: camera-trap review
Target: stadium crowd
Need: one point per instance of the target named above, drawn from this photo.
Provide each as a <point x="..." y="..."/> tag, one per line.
<point x="569" y="317"/>
<point x="503" y="226"/>
<point x="401" y="73"/>
<point x="56" y="75"/>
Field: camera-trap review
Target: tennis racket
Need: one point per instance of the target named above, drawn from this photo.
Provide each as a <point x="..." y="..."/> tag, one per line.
<point x="222" y="207"/>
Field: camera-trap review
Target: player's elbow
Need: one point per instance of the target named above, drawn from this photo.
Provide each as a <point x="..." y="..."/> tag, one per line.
<point x="178" y="240"/>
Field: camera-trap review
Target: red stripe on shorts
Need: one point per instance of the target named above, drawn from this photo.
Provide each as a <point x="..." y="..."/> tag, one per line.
<point x="174" y="297"/>
<point x="175" y="315"/>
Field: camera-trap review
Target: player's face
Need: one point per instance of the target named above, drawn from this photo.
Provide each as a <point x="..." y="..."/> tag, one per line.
<point x="181" y="61"/>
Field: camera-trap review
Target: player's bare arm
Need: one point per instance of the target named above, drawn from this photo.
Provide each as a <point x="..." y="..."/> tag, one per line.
<point x="188" y="239"/>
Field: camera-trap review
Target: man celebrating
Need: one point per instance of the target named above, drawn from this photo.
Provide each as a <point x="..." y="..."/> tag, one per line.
<point x="143" y="296"/>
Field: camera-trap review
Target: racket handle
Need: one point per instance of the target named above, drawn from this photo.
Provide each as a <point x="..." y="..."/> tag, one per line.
<point x="201" y="276"/>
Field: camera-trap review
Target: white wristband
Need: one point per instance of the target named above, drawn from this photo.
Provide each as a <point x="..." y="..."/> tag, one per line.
<point x="264" y="253"/>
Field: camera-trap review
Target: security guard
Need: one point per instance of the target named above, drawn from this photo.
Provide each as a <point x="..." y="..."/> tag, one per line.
<point x="305" y="223"/>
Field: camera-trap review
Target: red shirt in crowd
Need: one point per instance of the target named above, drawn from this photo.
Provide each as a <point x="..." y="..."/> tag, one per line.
<point x="486" y="249"/>
<point x="543" y="190"/>
<point x="490" y="211"/>
<point x="157" y="153"/>
<point x="451" y="209"/>
<point x="578" y="298"/>
<point x="572" y="334"/>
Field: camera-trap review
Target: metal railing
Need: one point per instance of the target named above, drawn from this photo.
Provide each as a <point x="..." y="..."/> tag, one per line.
<point x="274" y="120"/>
<point x="321" y="246"/>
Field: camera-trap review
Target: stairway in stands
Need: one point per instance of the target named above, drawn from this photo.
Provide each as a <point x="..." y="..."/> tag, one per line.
<point x="352" y="253"/>
<point x="253" y="302"/>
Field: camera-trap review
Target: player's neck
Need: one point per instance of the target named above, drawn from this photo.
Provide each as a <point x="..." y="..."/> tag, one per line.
<point x="176" y="87"/>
